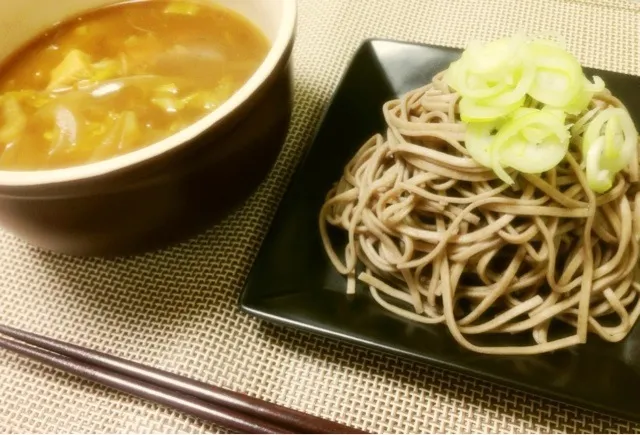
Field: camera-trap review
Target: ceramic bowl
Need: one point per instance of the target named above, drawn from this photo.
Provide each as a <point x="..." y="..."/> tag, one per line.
<point x="166" y="191"/>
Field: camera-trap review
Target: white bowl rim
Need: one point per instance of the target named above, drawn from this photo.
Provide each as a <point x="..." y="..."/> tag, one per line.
<point x="280" y="45"/>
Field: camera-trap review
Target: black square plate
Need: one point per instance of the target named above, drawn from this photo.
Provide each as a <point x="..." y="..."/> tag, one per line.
<point x="292" y="281"/>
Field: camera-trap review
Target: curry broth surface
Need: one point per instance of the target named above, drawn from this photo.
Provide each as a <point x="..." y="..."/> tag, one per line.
<point x="119" y="78"/>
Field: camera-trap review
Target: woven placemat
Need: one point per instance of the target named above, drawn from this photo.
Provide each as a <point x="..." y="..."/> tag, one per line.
<point x="178" y="310"/>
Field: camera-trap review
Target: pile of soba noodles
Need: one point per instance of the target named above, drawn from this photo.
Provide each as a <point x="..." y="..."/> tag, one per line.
<point x="536" y="258"/>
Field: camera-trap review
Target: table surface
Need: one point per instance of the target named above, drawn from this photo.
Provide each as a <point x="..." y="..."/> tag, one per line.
<point x="177" y="309"/>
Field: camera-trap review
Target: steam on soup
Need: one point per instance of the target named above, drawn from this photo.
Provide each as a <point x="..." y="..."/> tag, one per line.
<point x="119" y="78"/>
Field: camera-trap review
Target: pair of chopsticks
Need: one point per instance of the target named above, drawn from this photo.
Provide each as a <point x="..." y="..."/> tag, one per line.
<point x="235" y="411"/>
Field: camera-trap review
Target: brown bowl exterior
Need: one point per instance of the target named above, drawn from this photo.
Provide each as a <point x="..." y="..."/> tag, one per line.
<point x="163" y="199"/>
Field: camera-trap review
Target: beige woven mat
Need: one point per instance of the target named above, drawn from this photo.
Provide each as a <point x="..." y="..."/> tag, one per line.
<point x="177" y="309"/>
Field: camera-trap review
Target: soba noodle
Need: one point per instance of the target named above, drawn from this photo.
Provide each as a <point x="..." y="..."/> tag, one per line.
<point x="438" y="238"/>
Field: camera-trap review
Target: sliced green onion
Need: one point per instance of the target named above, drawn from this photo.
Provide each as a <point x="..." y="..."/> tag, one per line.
<point x="479" y="139"/>
<point x="470" y="86"/>
<point x="474" y="111"/>
<point x="595" y="87"/>
<point x="608" y="144"/>
<point x="613" y="138"/>
<point x="599" y="179"/>
<point x="494" y="56"/>
<point x="516" y="95"/>
<point x="558" y="74"/>
<point x="533" y="143"/>
<point x="492" y="79"/>
<point x="581" y="101"/>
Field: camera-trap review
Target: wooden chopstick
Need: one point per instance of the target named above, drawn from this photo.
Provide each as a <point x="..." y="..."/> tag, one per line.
<point x="223" y="416"/>
<point x="235" y="411"/>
